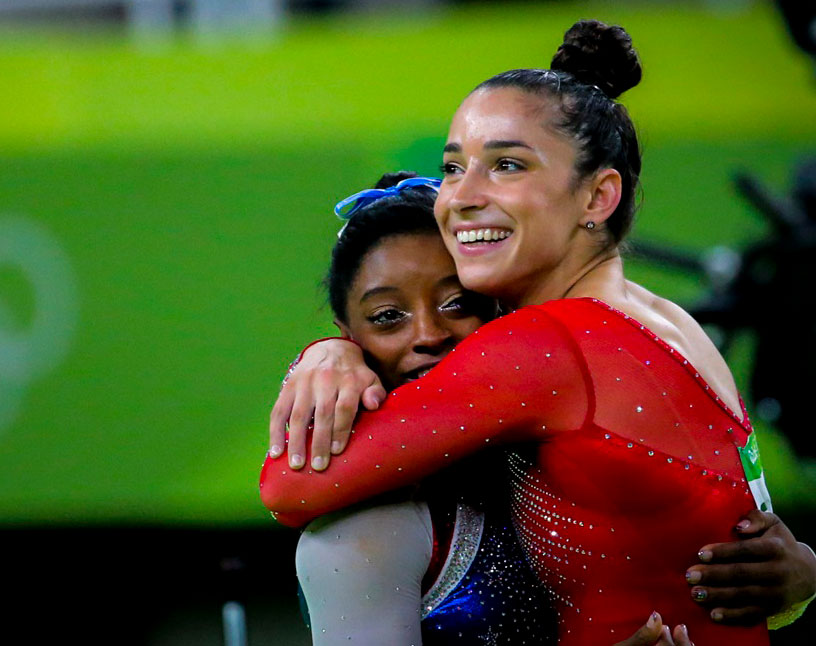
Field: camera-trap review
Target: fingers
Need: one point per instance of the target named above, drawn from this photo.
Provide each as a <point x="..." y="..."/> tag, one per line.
<point x="747" y="616"/>
<point x="299" y="420"/>
<point x="648" y="634"/>
<point x="756" y="522"/>
<point x="277" y="421"/>
<point x="345" y="400"/>
<point x="769" y="573"/>
<point x="738" y="596"/>
<point x="345" y="411"/>
<point x="323" y="425"/>
<point x="681" y="636"/>
<point x="374" y="395"/>
<point x="326" y="386"/>
<point x="763" y="548"/>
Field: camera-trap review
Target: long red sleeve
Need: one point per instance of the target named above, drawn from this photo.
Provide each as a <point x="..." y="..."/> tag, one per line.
<point x="515" y="379"/>
<point x="632" y="462"/>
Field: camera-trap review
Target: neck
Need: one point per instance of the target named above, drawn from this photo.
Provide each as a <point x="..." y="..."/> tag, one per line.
<point x="599" y="277"/>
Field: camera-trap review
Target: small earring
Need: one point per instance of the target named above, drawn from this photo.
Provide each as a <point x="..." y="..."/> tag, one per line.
<point x="590" y="225"/>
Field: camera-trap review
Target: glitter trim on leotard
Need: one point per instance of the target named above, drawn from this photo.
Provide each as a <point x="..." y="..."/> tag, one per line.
<point x="467" y="534"/>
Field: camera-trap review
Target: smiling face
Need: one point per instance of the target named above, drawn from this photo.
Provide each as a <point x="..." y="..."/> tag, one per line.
<point x="510" y="208"/>
<point x="407" y="309"/>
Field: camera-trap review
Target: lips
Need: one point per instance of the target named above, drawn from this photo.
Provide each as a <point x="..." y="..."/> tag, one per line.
<point x="483" y="235"/>
<point x="477" y="241"/>
<point x="418" y="372"/>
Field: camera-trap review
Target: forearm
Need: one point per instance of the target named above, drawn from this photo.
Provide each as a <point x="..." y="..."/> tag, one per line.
<point x="490" y="390"/>
<point x="788" y="615"/>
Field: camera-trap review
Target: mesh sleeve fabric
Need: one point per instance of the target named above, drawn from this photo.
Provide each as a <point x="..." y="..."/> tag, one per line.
<point x="519" y="378"/>
<point x="361" y="574"/>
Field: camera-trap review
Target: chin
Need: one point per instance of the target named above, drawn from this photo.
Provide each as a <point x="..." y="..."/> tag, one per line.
<point x="482" y="281"/>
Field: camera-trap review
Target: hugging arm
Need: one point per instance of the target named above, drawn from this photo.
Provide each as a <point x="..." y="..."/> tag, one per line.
<point x="326" y="382"/>
<point x="765" y="574"/>
<point x="477" y="396"/>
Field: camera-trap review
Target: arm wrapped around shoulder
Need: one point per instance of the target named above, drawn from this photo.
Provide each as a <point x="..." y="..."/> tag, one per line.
<point x="517" y="379"/>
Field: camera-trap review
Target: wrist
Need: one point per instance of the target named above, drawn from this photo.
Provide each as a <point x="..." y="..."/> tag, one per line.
<point x="790" y="614"/>
<point x="327" y="338"/>
<point x="298" y="358"/>
<point x="809" y="557"/>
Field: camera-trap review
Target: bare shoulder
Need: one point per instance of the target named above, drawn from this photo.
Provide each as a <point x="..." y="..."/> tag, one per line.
<point x="680" y="330"/>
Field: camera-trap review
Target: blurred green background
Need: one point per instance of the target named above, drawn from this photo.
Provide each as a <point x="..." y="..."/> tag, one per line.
<point x="165" y="220"/>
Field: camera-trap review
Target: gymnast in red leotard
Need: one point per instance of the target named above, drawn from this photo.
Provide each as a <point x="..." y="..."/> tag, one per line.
<point x="638" y="449"/>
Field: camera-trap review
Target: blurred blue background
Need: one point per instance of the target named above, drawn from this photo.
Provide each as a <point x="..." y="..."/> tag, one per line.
<point x="167" y="173"/>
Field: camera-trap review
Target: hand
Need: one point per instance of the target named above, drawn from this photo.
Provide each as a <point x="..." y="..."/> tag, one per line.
<point x="654" y="633"/>
<point x="764" y="572"/>
<point x="328" y="384"/>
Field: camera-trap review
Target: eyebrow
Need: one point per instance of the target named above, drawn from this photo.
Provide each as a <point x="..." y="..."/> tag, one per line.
<point x="374" y="291"/>
<point x="385" y="289"/>
<point x="494" y="144"/>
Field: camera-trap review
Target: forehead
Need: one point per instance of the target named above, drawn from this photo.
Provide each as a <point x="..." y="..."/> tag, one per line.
<point x="499" y="112"/>
<point x="403" y="261"/>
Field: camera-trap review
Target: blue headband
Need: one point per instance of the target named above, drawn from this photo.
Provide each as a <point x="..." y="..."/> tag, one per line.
<point x="344" y="209"/>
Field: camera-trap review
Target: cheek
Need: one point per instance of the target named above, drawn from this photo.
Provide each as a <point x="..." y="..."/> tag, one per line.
<point x="386" y="351"/>
<point x="441" y="209"/>
<point x="464" y="327"/>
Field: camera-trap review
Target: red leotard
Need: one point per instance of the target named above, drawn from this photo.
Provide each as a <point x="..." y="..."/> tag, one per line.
<point x="629" y="467"/>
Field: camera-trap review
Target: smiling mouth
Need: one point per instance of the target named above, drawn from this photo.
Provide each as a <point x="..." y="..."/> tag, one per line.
<point x="416" y="373"/>
<point x="473" y="236"/>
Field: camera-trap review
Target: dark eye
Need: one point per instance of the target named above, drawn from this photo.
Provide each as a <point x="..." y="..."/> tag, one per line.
<point x="464" y="304"/>
<point x="387" y="316"/>
<point x="468" y="304"/>
<point x="509" y="165"/>
<point x="449" y="168"/>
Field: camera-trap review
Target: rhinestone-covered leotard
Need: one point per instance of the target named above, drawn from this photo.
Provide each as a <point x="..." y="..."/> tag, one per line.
<point x="485" y="593"/>
<point x="632" y="462"/>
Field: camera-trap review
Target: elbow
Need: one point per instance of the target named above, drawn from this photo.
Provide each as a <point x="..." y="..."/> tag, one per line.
<point x="281" y="497"/>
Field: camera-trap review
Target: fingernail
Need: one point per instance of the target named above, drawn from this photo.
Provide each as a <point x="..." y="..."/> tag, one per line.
<point x="683" y="629"/>
<point x="275" y="450"/>
<point x="296" y="461"/>
<point x="716" y="615"/>
<point x="318" y="463"/>
<point x="743" y="525"/>
<point x="705" y="555"/>
<point x="693" y="576"/>
<point x="336" y="447"/>
<point x="653" y="619"/>
<point x="699" y="594"/>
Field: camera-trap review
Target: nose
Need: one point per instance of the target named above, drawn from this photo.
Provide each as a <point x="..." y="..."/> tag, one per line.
<point x="468" y="191"/>
<point x="431" y="334"/>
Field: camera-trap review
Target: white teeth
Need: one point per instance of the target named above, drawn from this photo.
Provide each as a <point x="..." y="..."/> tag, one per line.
<point x="475" y="235"/>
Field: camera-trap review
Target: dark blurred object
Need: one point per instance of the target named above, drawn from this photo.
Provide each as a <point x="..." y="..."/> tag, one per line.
<point x="766" y="289"/>
<point x="800" y="17"/>
<point x="149" y="586"/>
<point x="233" y="613"/>
<point x="770" y="295"/>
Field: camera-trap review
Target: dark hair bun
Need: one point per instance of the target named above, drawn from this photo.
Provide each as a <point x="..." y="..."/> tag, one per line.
<point x="599" y="54"/>
<point x="392" y="179"/>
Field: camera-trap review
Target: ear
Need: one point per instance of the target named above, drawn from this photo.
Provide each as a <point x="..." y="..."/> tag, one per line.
<point x="344" y="329"/>
<point x="604" y="196"/>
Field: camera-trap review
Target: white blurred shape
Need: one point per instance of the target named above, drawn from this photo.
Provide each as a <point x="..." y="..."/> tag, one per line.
<point x="38" y="348"/>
